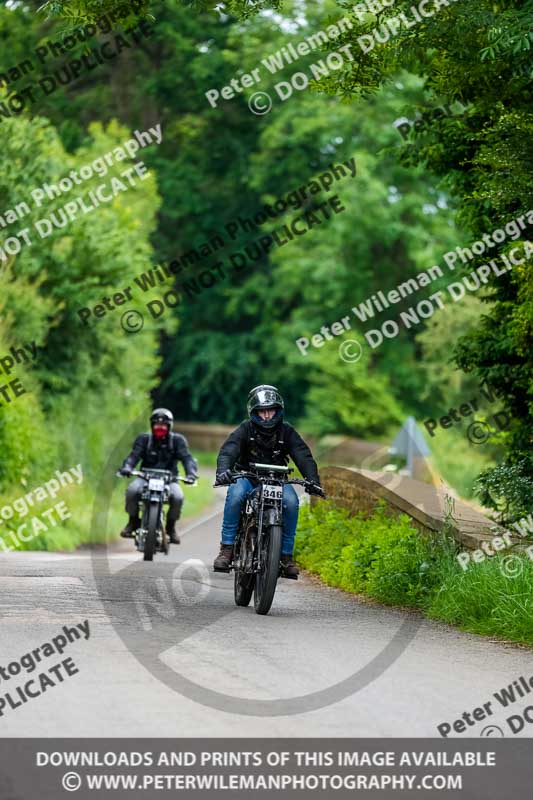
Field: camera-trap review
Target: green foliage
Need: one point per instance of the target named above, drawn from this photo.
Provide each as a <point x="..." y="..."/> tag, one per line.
<point x="382" y="556"/>
<point x="387" y="559"/>
<point x="479" y="54"/>
<point x="77" y="12"/>
<point x="508" y="488"/>
<point x="250" y="320"/>
<point x="86" y="381"/>
<point x="215" y="165"/>
<point x="446" y="385"/>
<point x="361" y="403"/>
<point x="485" y="600"/>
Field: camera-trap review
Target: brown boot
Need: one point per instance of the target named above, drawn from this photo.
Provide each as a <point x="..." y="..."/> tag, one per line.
<point x="129" y="531"/>
<point x="172" y="532"/>
<point x="288" y="567"/>
<point x="223" y="561"/>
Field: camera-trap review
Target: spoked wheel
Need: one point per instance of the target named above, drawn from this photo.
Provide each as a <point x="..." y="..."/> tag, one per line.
<point x="243" y="582"/>
<point x="151" y="535"/>
<point x="267" y="578"/>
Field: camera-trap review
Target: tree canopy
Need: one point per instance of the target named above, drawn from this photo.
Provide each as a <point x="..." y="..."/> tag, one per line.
<point x="462" y="174"/>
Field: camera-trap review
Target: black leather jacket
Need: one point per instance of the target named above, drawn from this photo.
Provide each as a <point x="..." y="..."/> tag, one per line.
<point x="162" y="455"/>
<point x="249" y="443"/>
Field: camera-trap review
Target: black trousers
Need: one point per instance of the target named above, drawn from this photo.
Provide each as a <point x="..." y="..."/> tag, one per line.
<point x="133" y="496"/>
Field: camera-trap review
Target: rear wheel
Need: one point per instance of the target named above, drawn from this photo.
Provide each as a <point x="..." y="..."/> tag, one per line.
<point x="152" y="521"/>
<point x="267" y="578"/>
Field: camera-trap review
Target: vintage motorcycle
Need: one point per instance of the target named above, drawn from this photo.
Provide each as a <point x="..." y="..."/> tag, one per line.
<point x="151" y="537"/>
<point x="257" y="549"/>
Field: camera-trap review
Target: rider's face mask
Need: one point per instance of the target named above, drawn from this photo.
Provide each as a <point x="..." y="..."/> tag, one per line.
<point x="159" y="431"/>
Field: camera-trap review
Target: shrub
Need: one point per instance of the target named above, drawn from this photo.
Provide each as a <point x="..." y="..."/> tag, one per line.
<point x="388" y="559"/>
<point x="382" y="556"/>
<point x="508" y="488"/>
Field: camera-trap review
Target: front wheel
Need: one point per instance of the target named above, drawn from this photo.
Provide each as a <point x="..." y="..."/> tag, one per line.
<point x="150" y="540"/>
<point x="267" y="578"/>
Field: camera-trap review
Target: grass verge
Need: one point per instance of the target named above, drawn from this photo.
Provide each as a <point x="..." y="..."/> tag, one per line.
<point x="386" y="558"/>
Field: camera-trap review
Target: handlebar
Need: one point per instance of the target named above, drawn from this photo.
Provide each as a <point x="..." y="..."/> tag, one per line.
<point x="135" y="473"/>
<point x="254" y="475"/>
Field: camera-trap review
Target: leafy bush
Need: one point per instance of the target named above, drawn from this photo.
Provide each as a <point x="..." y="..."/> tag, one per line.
<point x="388" y="559"/>
<point x="382" y="556"/>
<point x="507" y="488"/>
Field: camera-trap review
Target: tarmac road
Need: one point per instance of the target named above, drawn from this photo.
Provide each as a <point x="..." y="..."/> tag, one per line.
<point x="169" y="654"/>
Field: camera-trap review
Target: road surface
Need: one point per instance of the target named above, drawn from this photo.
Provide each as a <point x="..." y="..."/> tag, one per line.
<point x="147" y="659"/>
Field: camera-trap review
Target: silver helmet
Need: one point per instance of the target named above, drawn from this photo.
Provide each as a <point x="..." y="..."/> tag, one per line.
<point x="265" y="396"/>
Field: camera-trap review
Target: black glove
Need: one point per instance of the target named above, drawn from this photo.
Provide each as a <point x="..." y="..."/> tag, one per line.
<point x="315" y="488"/>
<point x="224" y="478"/>
<point x="125" y="472"/>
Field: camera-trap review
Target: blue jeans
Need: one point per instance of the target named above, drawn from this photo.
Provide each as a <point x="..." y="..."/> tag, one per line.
<point x="235" y="497"/>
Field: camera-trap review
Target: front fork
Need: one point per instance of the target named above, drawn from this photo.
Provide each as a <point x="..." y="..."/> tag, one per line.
<point x="272" y="515"/>
<point x="266" y="516"/>
<point x="142" y="531"/>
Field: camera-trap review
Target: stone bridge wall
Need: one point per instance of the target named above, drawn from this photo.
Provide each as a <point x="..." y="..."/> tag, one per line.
<point x="429" y="508"/>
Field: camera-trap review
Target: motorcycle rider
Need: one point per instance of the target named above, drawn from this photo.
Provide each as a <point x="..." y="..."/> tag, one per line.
<point x="160" y="449"/>
<point x="267" y="439"/>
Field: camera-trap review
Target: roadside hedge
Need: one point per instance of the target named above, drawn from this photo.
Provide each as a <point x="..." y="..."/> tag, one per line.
<point x="388" y="559"/>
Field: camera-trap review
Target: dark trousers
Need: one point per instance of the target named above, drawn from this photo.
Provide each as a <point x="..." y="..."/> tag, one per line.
<point x="175" y="500"/>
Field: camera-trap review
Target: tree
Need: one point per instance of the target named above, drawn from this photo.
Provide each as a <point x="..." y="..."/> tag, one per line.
<point x="84" y="379"/>
<point x="479" y="54"/>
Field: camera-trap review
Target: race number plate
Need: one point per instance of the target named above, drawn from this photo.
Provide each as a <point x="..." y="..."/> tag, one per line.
<point x="273" y="492"/>
<point x="156" y="484"/>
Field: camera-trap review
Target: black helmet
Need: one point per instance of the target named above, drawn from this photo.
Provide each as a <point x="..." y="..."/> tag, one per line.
<point x="163" y="416"/>
<point x="265" y="396"/>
